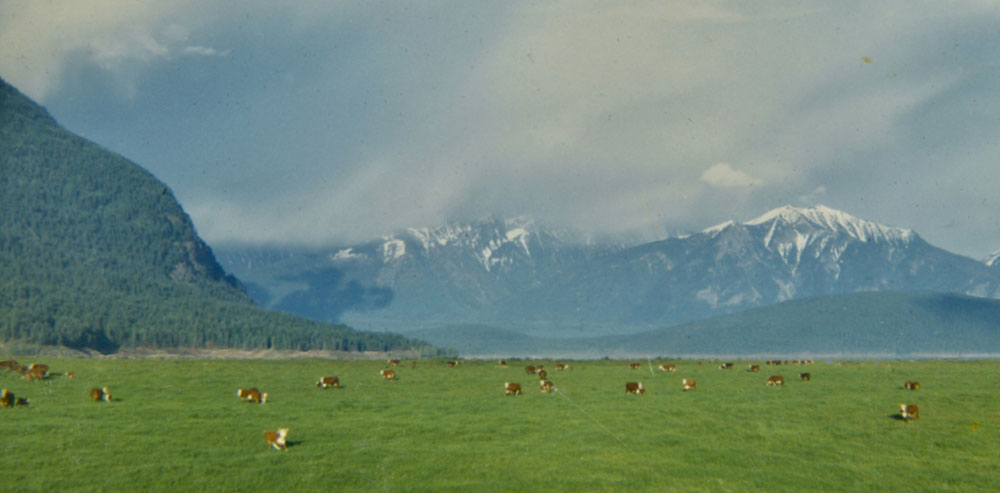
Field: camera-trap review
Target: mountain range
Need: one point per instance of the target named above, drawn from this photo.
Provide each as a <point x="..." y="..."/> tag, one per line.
<point x="540" y="282"/>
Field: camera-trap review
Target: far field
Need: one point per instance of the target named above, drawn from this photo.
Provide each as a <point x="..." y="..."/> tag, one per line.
<point x="178" y="425"/>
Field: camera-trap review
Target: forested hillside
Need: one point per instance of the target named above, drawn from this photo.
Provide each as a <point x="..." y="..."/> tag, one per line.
<point x="96" y="252"/>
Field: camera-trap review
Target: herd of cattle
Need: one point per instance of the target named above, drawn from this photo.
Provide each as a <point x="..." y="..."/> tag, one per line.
<point x="277" y="439"/>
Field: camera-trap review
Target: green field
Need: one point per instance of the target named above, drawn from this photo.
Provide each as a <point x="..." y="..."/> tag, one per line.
<point x="178" y="425"/>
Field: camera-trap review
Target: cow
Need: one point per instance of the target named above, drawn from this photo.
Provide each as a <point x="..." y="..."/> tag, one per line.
<point x="102" y="394"/>
<point x="6" y="398"/>
<point x="252" y="395"/>
<point x="512" y="388"/>
<point x="530" y="369"/>
<point x="776" y="380"/>
<point x="44" y="369"/>
<point x="634" y="388"/>
<point x="393" y="362"/>
<point x="634" y="366"/>
<point x="10" y="365"/>
<point x="909" y="412"/>
<point x="34" y="374"/>
<point x="911" y="385"/>
<point x="276" y="439"/>
<point x="452" y="364"/>
<point x="71" y="375"/>
<point x="546" y="386"/>
<point x="688" y="383"/>
<point x="22" y="401"/>
<point x="388" y="374"/>
<point x="805" y="377"/>
<point x="542" y="374"/>
<point x="561" y="366"/>
<point x="668" y="367"/>
<point x="503" y="363"/>
<point x="753" y="368"/>
<point x="726" y="366"/>
<point x="325" y="382"/>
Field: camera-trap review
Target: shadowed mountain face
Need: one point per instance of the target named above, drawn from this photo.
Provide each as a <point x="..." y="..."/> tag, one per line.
<point x="518" y="275"/>
<point x="95" y="252"/>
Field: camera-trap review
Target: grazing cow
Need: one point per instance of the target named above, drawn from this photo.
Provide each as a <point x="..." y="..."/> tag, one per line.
<point x="634" y="366"/>
<point x="511" y="388"/>
<point x="911" y="385"/>
<point x="388" y="374"/>
<point x="102" y="394"/>
<point x="394" y="362"/>
<point x="22" y="401"/>
<point x="34" y="374"/>
<point x="325" y="382"/>
<point x="753" y="368"/>
<point x="542" y="374"/>
<point x="10" y="365"/>
<point x="726" y="366"/>
<point x="276" y="439"/>
<point x="6" y="398"/>
<point x="669" y="367"/>
<point x="252" y="395"/>
<point x="539" y="367"/>
<point x="530" y="369"/>
<point x="546" y="386"/>
<point x="634" y="388"/>
<point x="805" y="377"/>
<point x="40" y="368"/>
<point x="688" y="383"/>
<point x="909" y="412"/>
<point x="561" y="366"/>
<point x="776" y="380"/>
<point x="452" y="364"/>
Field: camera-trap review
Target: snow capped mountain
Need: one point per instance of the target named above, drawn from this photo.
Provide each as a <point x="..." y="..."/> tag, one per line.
<point x="523" y="276"/>
<point x="993" y="260"/>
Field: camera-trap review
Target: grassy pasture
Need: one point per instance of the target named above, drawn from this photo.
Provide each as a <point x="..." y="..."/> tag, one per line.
<point x="178" y="425"/>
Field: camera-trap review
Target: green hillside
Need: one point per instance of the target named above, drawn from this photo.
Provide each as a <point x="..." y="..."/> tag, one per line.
<point x="96" y="252"/>
<point x="895" y="324"/>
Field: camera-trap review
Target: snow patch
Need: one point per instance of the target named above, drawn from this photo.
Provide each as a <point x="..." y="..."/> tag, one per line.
<point x="393" y="249"/>
<point x="718" y="227"/>
<point x="346" y="254"/>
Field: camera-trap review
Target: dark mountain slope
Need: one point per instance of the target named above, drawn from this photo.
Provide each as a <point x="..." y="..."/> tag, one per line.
<point x="96" y="252"/>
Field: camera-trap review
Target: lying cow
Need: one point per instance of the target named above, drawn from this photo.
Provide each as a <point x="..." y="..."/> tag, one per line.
<point x="668" y="367"/>
<point x="325" y="382"/>
<point x="634" y="366"/>
<point x="688" y="383"/>
<point x="911" y="385"/>
<point x="634" y="388"/>
<point x="102" y="394"/>
<point x="726" y="366"/>
<point x="388" y="374"/>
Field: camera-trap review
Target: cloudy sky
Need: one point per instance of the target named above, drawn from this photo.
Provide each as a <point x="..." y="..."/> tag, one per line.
<point x="332" y="122"/>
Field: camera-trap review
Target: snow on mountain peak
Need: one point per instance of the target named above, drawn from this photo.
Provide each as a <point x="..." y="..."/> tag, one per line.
<point x="832" y="219"/>
<point x="993" y="259"/>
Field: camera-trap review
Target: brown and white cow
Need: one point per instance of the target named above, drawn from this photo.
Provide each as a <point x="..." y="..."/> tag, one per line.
<point x="688" y="383"/>
<point x="393" y="362"/>
<point x="71" y="375"/>
<point x="776" y="380"/>
<point x="44" y="369"/>
<point x="102" y="394"/>
<point x="634" y="388"/>
<point x="805" y="377"/>
<point x="542" y="374"/>
<point x="6" y="398"/>
<point x="276" y="439"/>
<point x="911" y="385"/>
<point x="634" y="366"/>
<point x="726" y="366"/>
<point x="512" y="388"/>
<point x="753" y="368"/>
<point x="503" y="363"/>
<point x="252" y="395"/>
<point x="388" y="374"/>
<point x="325" y="382"/>
<point x="668" y="367"/>
<point x="530" y="369"/>
<point x="452" y="364"/>
<point x="34" y="374"/>
<point x="561" y="366"/>
<point x="10" y="365"/>
<point x="546" y="386"/>
<point x="909" y="412"/>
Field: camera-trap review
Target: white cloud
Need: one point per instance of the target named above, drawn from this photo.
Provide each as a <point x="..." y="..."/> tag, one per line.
<point x="725" y="176"/>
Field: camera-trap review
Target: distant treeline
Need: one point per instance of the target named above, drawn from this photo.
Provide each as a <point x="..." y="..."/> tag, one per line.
<point x="95" y="252"/>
